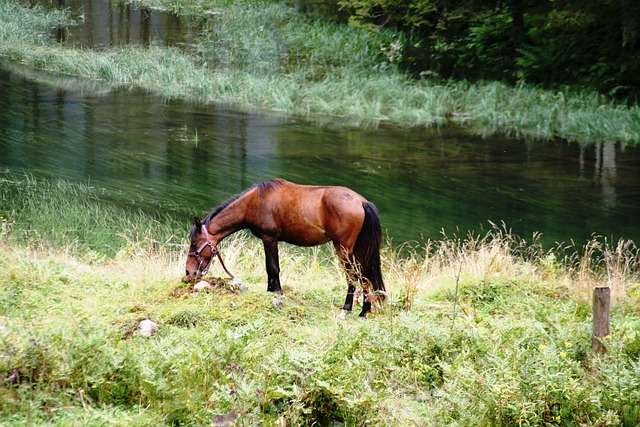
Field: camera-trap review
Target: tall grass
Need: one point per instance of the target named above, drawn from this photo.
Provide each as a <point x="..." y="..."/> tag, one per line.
<point x="482" y="329"/>
<point x="266" y="55"/>
<point x="80" y="216"/>
<point x="24" y="26"/>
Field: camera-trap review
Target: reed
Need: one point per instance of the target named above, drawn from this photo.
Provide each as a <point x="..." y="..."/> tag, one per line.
<point x="79" y="216"/>
<point x="268" y="56"/>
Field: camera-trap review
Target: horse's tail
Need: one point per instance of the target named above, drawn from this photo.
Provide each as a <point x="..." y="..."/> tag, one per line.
<point x="367" y="248"/>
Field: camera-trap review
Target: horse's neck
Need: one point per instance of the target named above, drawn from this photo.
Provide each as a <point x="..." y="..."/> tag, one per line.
<point x="230" y="220"/>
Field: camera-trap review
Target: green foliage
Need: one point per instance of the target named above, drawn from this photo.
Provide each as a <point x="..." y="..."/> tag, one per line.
<point x="414" y="14"/>
<point x="272" y="39"/>
<point x="552" y="43"/>
<point x="322" y="407"/>
<point x="484" y="52"/>
<point x="38" y="20"/>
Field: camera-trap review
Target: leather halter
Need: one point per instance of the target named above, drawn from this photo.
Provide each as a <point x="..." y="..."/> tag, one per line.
<point x="214" y="251"/>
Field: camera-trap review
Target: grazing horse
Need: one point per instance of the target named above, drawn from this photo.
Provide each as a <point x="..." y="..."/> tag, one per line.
<point x="303" y="215"/>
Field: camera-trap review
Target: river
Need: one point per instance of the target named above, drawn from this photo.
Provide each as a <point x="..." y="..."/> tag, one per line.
<point x="183" y="159"/>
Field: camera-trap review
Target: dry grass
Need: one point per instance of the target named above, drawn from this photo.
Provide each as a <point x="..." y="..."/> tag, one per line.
<point x="417" y="271"/>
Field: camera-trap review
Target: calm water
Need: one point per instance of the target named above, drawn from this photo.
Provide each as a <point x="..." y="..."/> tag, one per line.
<point x="109" y="23"/>
<point x="185" y="159"/>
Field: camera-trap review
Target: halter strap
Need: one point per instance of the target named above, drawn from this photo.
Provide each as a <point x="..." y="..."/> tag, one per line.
<point x="214" y="251"/>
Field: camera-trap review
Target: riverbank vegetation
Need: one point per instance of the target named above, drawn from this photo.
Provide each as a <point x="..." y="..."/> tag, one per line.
<point x="479" y="330"/>
<point x="588" y="43"/>
<point x="270" y="56"/>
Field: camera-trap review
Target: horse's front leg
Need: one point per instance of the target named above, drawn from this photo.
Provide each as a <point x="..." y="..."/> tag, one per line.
<point x="273" y="265"/>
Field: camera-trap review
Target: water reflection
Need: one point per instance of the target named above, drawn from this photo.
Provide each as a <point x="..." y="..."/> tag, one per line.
<point x="102" y="24"/>
<point x="605" y="172"/>
<point x="175" y="157"/>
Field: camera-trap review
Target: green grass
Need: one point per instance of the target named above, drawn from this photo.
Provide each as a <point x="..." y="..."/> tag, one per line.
<point x="82" y="216"/>
<point x="265" y="55"/>
<point x="479" y="330"/>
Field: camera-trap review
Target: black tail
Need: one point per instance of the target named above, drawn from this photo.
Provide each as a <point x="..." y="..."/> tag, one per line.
<point x="367" y="248"/>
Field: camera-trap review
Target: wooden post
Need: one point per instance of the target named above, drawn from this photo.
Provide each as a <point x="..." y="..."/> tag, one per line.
<point x="601" y="318"/>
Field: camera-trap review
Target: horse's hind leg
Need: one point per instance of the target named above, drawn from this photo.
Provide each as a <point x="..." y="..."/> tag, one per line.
<point x="366" y="305"/>
<point x="351" y="289"/>
<point x="354" y="276"/>
<point x="345" y="260"/>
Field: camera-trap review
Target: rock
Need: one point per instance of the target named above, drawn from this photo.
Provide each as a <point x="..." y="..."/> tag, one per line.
<point x="147" y="327"/>
<point x="201" y="286"/>
<point x="236" y="283"/>
<point x="277" y="303"/>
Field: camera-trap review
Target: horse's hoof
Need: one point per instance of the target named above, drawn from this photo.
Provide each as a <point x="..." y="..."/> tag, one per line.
<point x="343" y="315"/>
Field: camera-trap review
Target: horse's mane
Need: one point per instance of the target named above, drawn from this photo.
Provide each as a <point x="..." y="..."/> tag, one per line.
<point x="263" y="187"/>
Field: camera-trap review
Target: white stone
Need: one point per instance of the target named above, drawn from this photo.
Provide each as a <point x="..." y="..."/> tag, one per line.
<point x="277" y="303"/>
<point x="236" y="283"/>
<point x="343" y="315"/>
<point x="201" y="286"/>
<point x="147" y="327"/>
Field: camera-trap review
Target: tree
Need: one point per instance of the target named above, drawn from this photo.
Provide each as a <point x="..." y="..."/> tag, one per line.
<point x="552" y="42"/>
<point x="630" y="13"/>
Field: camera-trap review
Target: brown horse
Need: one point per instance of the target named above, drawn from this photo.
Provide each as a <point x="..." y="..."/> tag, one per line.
<point x="303" y="215"/>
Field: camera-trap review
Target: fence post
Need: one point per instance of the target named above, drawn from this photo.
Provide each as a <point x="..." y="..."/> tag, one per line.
<point x="601" y="317"/>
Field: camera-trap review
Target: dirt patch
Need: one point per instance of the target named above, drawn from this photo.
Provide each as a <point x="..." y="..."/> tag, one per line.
<point x="191" y="285"/>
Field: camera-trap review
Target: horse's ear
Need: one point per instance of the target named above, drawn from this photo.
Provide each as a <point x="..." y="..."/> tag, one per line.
<point x="197" y="222"/>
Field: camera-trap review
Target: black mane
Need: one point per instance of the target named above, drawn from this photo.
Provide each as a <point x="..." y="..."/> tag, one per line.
<point x="265" y="186"/>
<point x="262" y="187"/>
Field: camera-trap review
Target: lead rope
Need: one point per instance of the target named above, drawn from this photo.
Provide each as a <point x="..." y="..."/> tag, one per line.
<point x="223" y="266"/>
<point x="217" y="252"/>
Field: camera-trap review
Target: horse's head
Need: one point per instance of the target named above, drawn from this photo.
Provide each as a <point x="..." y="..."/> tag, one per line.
<point x="201" y="250"/>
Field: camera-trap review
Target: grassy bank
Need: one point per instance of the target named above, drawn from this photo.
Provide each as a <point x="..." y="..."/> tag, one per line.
<point x="267" y="56"/>
<point x="479" y="330"/>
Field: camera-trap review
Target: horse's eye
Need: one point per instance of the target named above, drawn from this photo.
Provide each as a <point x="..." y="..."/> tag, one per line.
<point x="193" y="245"/>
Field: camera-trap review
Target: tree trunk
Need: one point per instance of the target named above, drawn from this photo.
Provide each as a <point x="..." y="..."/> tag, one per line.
<point x="630" y="13"/>
<point x="517" y="15"/>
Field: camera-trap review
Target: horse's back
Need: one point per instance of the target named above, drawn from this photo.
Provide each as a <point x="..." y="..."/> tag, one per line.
<point x="309" y="215"/>
<point x="313" y="199"/>
<point x="289" y="212"/>
<point x="328" y="202"/>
